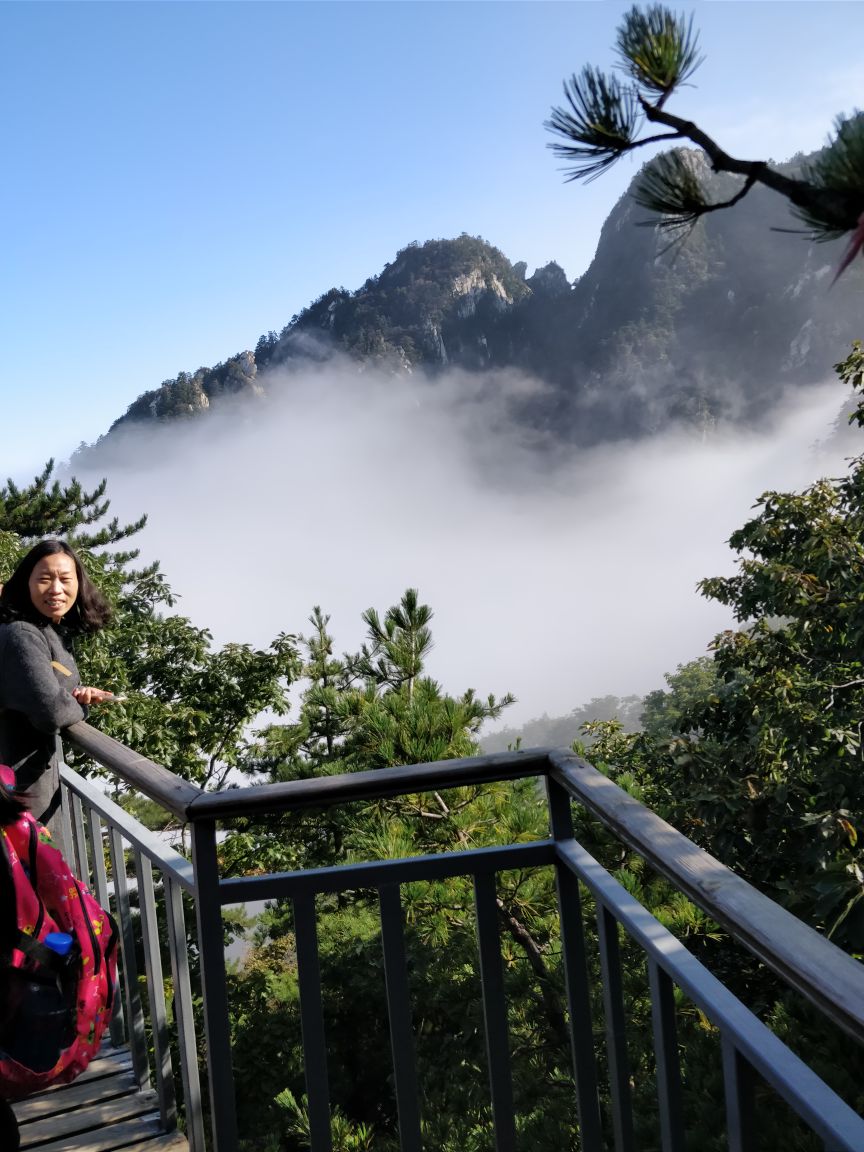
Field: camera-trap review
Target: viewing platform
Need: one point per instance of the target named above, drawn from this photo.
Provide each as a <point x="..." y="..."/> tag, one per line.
<point x="151" y="1087"/>
<point x="104" y="1110"/>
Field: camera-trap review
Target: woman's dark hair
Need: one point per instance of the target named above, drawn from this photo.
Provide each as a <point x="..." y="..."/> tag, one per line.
<point x="90" y="612"/>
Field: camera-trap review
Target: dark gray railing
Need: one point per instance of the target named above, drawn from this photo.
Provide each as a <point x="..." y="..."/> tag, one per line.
<point x="827" y="977"/>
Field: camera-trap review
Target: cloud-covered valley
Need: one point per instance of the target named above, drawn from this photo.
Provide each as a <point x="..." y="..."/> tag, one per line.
<point x="556" y="574"/>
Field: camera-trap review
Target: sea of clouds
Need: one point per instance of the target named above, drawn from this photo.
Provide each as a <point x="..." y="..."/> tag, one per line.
<point x="554" y="573"/>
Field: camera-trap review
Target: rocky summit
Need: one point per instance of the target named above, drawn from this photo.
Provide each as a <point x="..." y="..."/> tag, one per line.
<point x="709" y="329"/>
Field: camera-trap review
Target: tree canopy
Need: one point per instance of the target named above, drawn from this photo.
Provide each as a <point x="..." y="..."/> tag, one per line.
<point x="186" y="705"/>
<point x="758" y="757"/>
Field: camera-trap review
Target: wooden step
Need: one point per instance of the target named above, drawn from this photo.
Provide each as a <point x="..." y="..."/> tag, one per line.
<point x="101" y="1111"/>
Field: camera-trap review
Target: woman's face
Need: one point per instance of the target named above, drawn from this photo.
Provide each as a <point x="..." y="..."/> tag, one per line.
<point x="54" y="585"/>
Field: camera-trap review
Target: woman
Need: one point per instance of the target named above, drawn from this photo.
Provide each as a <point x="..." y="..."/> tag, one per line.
<point x="47" y="599"/>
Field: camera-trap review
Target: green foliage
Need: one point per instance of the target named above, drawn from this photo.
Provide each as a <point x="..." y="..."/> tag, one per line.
<point x="762" y="760"/>
<point x="11" y="551"/>
<point x="601" y="119"/>
<point x="560" y="731"/>
<point x="664" y="711"/>
<point x="374" y="709"/>
<point x="851" y="372"/>
<point x="659" y="52"/>
<point x="837" y="169"/>
<point x="658" y="49"/>
<point x="346" y="1137"/>
<point x="46" y="507"/>
<point x="371" y="709"/>
<point x="187" y="706"/>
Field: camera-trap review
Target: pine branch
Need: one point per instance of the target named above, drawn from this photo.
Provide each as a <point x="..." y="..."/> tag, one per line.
<point x="671" y="187"/>
<point x="520" y="934"/>
<point x="840" y="206"/>
<point x="839" y="169"/>
<point x="659" y="52"/>
<point x="601" y="123"/>
<point x="658" y="49"/>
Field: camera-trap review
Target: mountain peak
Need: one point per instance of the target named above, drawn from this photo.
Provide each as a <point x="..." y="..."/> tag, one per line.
<point x="704" y="331"/>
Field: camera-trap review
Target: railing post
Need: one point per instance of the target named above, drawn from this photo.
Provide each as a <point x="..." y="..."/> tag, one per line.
<point x="576" y="976"/>
<point x="183" y="1015"/>
<point x="134" y="1013"/>
<point x="78" y="862"/>
<point x="672" y="1137"/>
<point x="495" y="1012"/>
<point x="616" y="1034"/>
<point x="62" y="830"/>
<point x="399" y="1015"/>
<point x="738" y="1083"/>
<point x="211" y="947"/>
<point x="156" y="993"/>
<point x="312" y="1023"/>
<point x="100" y="883"/>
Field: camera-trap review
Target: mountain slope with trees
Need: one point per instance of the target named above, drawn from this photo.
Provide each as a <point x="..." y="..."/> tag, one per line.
<point x="712" y="330"/>
<point x="755" y="754"/>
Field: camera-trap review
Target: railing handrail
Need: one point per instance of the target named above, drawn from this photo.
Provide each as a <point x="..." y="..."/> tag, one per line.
<point x="806" y="960"/>
<point x="154" y="780"/>
<point x="190" y="803"/>
<point x="372" y="784"/>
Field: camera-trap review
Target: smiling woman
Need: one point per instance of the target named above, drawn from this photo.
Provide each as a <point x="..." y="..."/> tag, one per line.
<point x="44" y="603"/>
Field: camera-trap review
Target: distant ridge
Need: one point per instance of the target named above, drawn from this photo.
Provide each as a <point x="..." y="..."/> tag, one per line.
<point x="709" y="332"/>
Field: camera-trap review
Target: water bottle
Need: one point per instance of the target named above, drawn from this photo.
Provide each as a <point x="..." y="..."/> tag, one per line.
<point x="44" y="1024"/>
<point x="59" y="942"/>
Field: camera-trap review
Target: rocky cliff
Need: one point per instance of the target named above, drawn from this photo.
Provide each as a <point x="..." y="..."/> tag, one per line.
<point x="711" y="329"/>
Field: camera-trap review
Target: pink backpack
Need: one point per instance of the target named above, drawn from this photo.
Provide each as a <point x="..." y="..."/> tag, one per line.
<point x="57" y="988"/>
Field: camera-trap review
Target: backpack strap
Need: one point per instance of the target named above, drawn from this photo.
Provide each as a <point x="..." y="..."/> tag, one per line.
<point x="8" y="916"/>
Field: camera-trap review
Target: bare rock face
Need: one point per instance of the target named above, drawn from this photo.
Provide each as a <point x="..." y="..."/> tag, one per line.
<point x="476" y="285"/>
<point x="241" y="375"/>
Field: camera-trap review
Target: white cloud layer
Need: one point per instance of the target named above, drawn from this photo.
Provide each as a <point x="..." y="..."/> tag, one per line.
<point x="557" y="576"/>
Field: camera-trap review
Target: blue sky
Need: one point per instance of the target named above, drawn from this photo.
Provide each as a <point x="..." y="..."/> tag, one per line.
<point x="181" y="177"/>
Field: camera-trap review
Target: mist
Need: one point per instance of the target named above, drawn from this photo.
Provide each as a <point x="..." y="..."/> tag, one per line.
<point x="553" y="573"/>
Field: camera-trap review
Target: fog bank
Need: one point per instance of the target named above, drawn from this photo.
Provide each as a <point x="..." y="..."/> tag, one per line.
<point x="557" y="575"/>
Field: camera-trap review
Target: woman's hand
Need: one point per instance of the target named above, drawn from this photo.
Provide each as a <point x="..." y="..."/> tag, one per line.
<point x="88" y="696"/>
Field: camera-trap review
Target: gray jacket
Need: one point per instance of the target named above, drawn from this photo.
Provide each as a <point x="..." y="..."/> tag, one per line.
<point x="37" y="675"/>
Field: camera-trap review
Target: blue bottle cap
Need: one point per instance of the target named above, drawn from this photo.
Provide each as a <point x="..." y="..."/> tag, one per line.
<point x="59" y="942"/>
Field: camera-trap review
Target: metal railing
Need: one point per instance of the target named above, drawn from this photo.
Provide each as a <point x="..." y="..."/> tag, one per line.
<point x="829" y="979"/>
